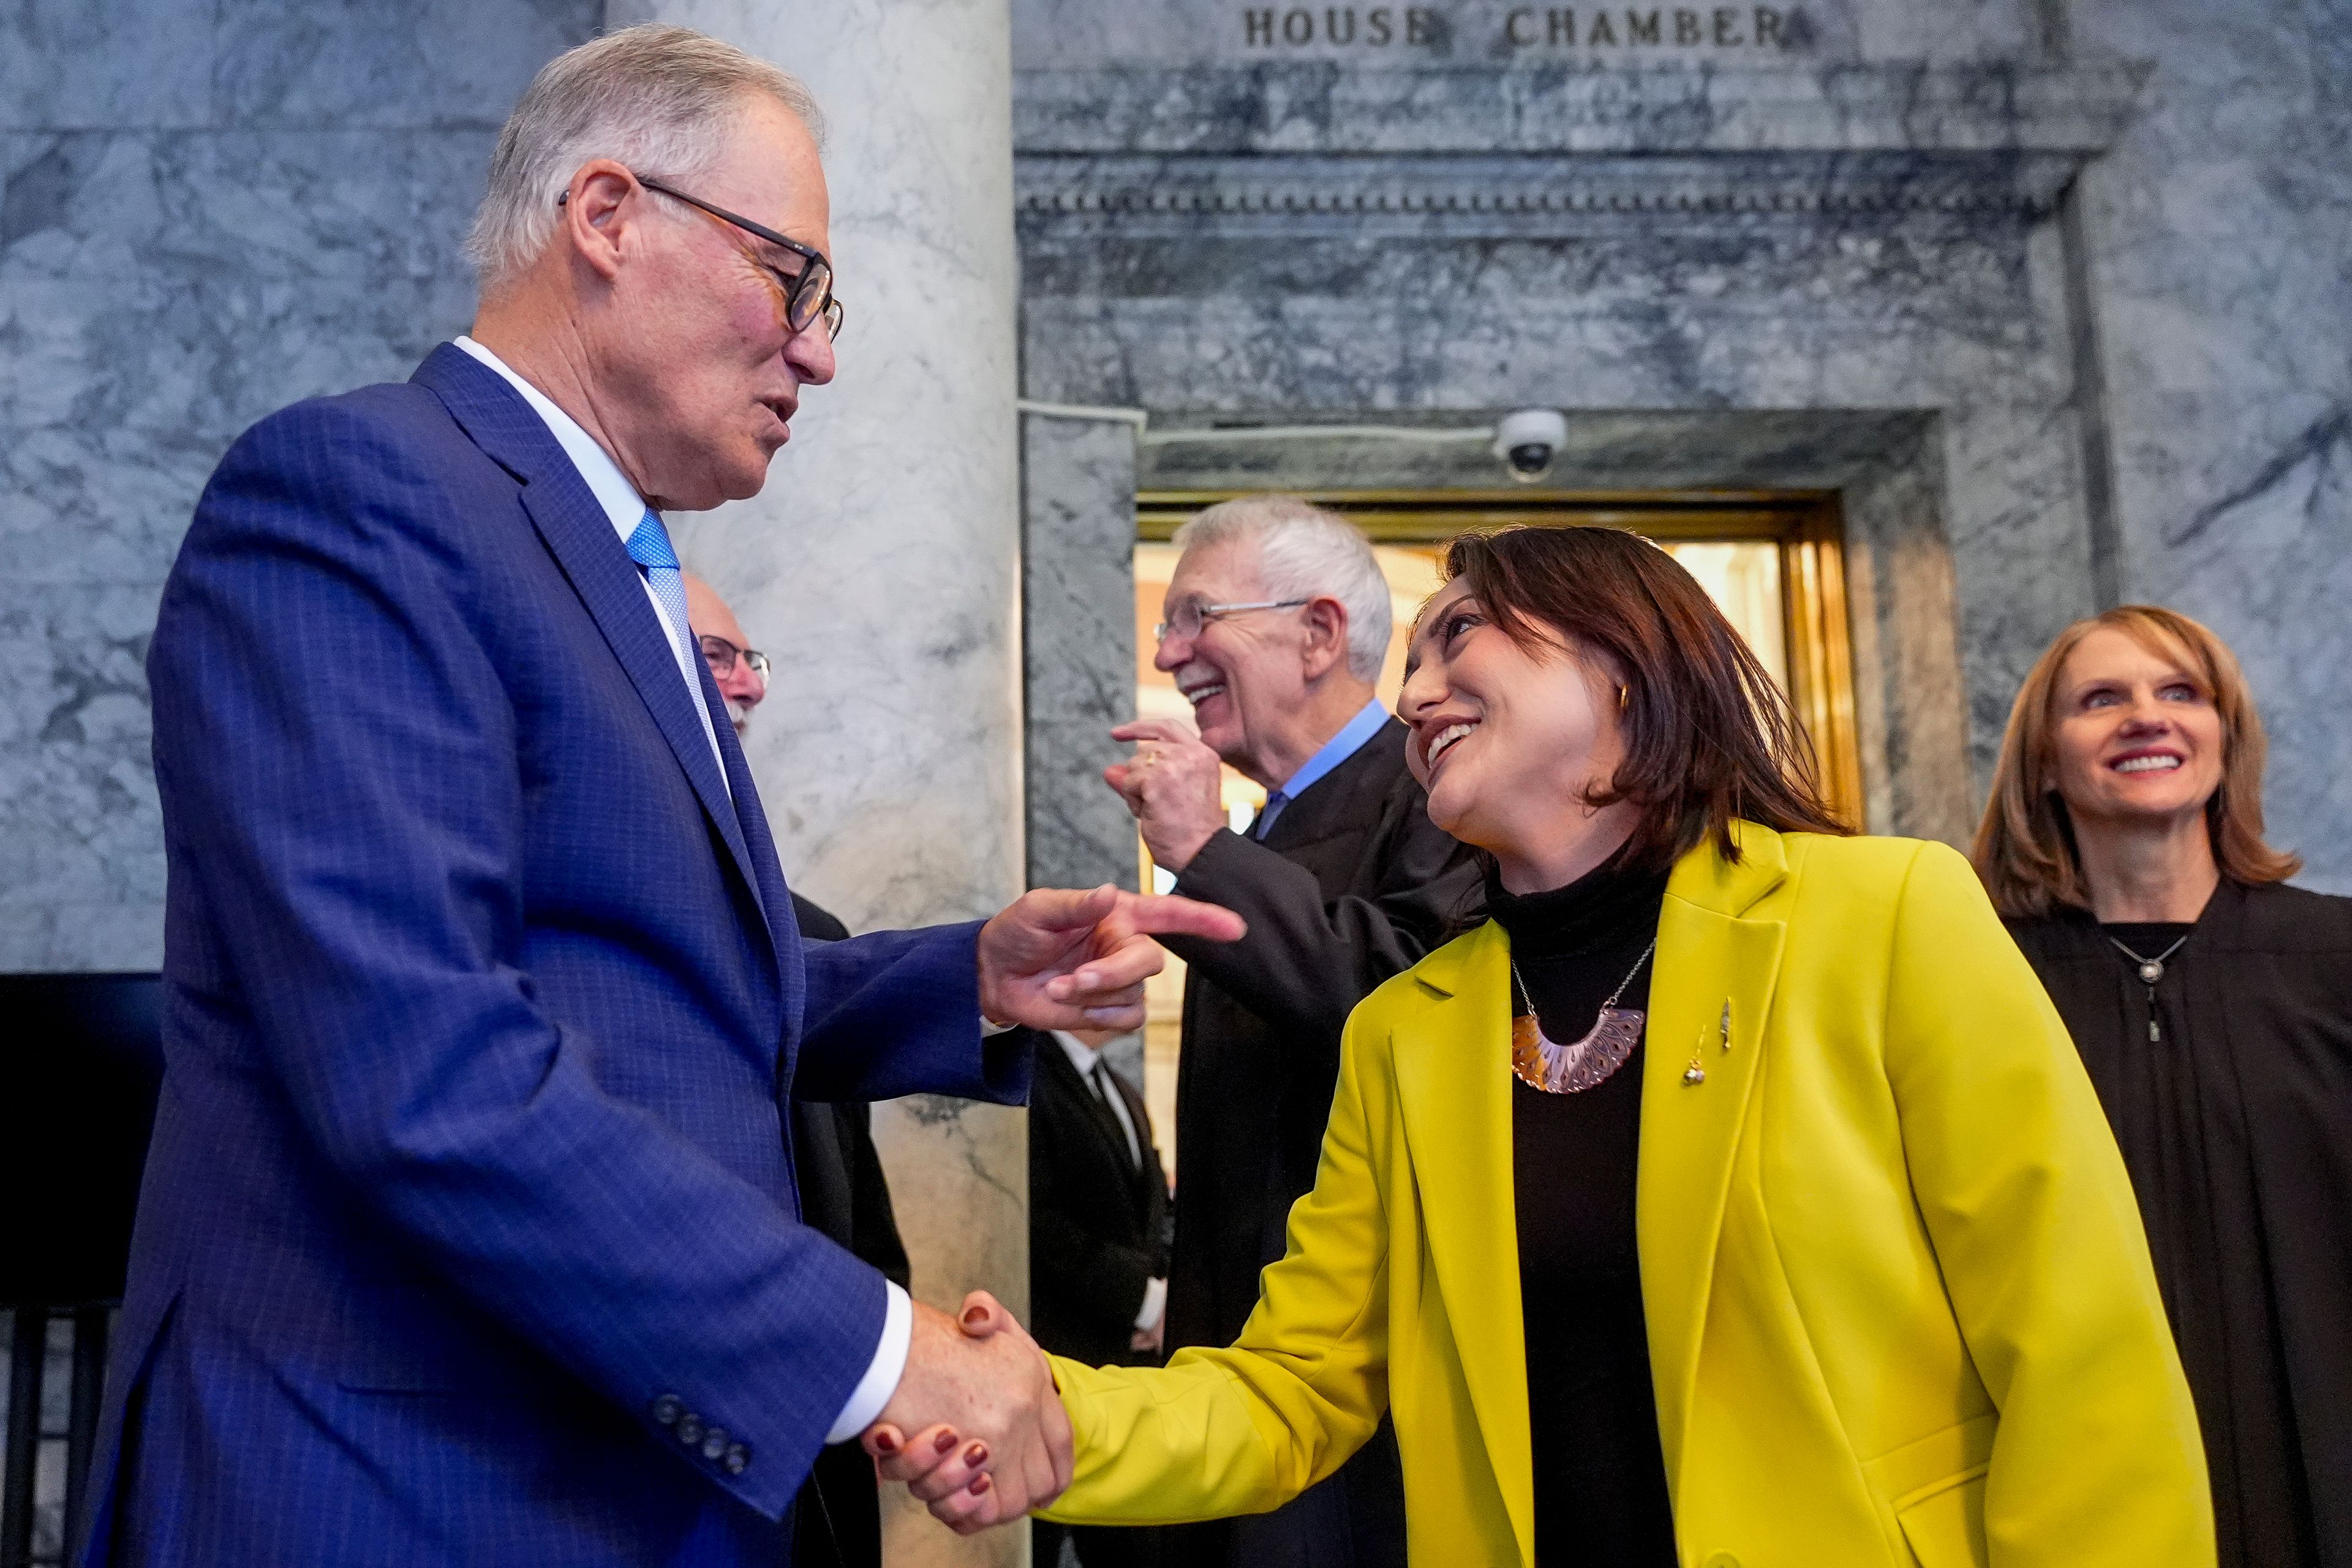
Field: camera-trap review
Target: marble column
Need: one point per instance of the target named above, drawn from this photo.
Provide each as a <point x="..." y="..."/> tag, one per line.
<point x="880" y="569"/>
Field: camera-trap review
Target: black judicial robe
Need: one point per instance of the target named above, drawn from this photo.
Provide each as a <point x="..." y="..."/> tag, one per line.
<point x="2236" y="1125"/>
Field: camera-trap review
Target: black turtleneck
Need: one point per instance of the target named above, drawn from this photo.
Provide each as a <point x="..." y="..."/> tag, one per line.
<point x="1600" y="1476"/>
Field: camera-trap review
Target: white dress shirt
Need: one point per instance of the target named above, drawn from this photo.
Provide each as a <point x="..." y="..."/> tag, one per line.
<point x="1087" y="1059"/>
<point x="628" y="509"/>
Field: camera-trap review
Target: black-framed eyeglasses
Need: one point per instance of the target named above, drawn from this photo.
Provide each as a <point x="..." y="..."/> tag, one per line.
<point x="720" y="655"/>
<point x="808" y="293"/>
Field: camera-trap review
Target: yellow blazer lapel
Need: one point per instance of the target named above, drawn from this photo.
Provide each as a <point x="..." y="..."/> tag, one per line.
<point x="1697" y="1084"/>
<point x="1453" y="1088"/>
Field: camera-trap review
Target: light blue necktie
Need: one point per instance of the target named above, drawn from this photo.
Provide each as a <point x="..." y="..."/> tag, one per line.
<point x="1266" y="813"/>
<point x="649" y="547"/>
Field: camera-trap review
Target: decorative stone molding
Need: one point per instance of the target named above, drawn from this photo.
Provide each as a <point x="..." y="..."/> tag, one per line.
<point x="1309" y="108"/>
<point x="1522" y="194"/>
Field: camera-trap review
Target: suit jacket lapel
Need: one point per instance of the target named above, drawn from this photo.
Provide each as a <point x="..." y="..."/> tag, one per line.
<point x="1055" y="1062"/>
<point x="1453" y="1090"/>
<point x="1137" y="1165"/>
<point x="1330" y="797"/>
<point x="1107" y="1130"/>
<point x="583" y="540"/>
<point x="751" y="816"/>
<point x="1710" y="959"/>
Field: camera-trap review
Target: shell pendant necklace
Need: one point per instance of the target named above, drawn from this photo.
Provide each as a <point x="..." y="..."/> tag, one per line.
<point x="2151" y="970"/>
<point x="1543" y="1063"/>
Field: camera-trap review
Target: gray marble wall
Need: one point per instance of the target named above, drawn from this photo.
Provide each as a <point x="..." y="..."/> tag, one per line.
<point x="2220" y="240"/>
<point x="1887" y="229"/>
<point x="209" y="211"/>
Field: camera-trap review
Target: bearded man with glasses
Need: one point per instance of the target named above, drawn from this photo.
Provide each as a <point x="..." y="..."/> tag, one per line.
<point x="1278" y="623"/>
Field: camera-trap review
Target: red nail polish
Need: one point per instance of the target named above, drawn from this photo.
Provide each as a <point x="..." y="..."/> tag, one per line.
<point x="887" y="1443"/>
<point x="975" y="1316"/>
<point x="976" y="1455"/>
<point x="946" y="1440"/>
<point x="980" y="1485"/>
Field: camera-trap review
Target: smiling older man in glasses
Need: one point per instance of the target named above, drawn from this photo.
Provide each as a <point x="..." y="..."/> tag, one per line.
<point x="469" y="1231"/>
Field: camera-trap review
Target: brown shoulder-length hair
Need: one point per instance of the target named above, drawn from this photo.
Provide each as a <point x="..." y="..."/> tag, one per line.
<point x="2025" y="845"/>
<point x="1708" y="737"/>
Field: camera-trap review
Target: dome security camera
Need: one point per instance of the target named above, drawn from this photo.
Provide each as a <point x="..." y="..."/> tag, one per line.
<point x="1529" y="440"/>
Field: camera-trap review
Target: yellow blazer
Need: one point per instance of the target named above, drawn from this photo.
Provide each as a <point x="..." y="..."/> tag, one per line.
<point x="1899" y="1302"/>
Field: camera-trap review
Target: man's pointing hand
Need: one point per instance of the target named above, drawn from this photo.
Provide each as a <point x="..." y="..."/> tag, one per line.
<point x="1055" y="959"/>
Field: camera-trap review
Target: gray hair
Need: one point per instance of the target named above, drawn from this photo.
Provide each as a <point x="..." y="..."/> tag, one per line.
<point x="658" y="98"/>
<point x="1304" y="552"/>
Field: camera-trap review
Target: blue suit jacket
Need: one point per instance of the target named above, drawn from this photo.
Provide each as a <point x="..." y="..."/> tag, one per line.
<point x="481" y="996"/>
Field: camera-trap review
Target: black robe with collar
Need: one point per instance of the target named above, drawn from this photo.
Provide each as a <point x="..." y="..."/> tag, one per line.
<point x="2236" y="1125"/>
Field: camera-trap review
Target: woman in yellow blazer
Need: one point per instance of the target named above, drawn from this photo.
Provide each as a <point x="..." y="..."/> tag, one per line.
<point x="1892" y="1294"/>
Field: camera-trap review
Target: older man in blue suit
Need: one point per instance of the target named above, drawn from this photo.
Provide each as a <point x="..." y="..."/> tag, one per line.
<point x="469" y="1232"/>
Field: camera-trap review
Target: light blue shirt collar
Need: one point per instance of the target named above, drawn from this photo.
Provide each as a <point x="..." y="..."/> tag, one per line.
<point x="1337" y="750"/>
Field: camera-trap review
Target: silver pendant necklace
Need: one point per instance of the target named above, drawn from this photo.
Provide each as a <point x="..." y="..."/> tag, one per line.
<point x="1541" y="1062"/>
<point x="2151" y="970"/>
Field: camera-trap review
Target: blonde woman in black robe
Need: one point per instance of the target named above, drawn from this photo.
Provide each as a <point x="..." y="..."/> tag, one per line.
<point x="2212" y="1005"/>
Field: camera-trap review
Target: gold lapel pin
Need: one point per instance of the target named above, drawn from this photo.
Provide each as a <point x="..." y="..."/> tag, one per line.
<point x="1725" y="1027"/>
<point x="1695" y="1076"/>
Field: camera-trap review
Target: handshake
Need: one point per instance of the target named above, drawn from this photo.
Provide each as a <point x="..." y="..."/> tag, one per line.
<point x="976" y="1428"/>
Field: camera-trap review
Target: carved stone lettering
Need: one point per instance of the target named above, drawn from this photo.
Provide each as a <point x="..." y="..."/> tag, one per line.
<point x="1715" y="29"/>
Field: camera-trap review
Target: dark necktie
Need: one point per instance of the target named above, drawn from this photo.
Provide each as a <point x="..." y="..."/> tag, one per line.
<point x="1109" y="1094"/>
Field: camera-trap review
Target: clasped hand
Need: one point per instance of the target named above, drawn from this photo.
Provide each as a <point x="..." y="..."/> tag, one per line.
<point x="990" y="1439"/>
<point x="976" y="1428"/>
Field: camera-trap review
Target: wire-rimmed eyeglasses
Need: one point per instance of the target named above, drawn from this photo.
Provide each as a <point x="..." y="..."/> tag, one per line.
<point x="808" y="293"/>
<point x="721" y="654"/>
<point x="1187" y="619"/>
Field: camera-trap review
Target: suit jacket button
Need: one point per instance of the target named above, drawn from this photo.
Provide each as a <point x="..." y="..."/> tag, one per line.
<point x="737" y="1459"/>
<point x="668" y="1409"/>
<point x="1722" y="1559"/>
<point x="689" y="1429"/>
<point x="714" y="1443"/>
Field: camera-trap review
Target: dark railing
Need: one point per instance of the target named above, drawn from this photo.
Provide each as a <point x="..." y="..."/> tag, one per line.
<point x="79" y="1062"/>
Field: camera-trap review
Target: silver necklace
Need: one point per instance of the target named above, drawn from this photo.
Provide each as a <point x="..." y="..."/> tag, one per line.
<point x="1541" y="1062"/>
<point x="2151" y="970"/>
